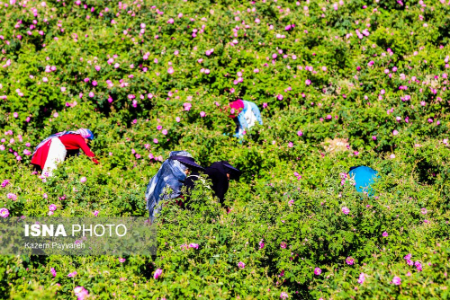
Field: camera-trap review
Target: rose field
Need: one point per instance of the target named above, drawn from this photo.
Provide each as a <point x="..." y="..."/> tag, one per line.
<point x="339" y="84"/>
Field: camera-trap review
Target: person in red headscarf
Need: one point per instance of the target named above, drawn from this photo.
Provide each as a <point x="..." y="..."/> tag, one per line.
<point x="245" y="114"/>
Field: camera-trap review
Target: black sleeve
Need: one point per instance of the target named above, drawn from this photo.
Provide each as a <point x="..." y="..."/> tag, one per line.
<point x="220" y="183"/>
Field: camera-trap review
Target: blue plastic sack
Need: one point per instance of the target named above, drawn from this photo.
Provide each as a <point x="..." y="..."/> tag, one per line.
<point x="364" y="178"/>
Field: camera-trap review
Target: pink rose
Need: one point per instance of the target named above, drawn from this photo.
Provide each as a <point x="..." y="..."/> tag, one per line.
<point x="192" y="245"/>
<point x="157" y="274"/>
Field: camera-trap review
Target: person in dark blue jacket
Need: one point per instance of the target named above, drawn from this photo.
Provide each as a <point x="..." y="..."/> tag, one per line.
<point x="220" y="174"/>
